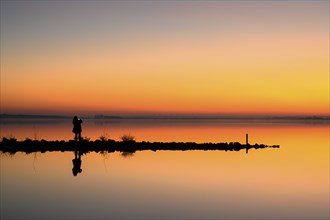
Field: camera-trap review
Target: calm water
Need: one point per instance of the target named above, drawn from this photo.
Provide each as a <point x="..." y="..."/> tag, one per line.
<point x="291" y="182"/>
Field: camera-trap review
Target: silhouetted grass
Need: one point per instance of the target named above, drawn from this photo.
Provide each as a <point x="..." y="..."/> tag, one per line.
<point x="127" y="137"/>
<point x="104" y="137"/>
<point x="85" y="139"/>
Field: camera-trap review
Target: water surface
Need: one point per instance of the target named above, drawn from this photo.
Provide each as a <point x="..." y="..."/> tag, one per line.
<point x="291" y="182"/>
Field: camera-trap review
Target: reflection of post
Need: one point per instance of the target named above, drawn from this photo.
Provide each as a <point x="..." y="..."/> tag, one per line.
<point x="247" y="142"/>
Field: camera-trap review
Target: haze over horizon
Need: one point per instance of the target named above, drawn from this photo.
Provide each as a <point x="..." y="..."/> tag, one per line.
<point x="168" y="116"/>
<point x="165" y="58"/>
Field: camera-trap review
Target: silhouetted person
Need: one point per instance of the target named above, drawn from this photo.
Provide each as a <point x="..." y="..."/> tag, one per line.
<point x="76" y="128"/>
<point x="76" y="163"/>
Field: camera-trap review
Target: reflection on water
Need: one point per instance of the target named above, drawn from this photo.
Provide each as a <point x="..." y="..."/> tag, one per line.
<point x="76" y="163"/>
<point x="127" y="154"/>
<point x="291" y="182"/>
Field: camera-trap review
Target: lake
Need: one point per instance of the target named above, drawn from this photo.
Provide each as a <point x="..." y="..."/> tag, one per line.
<point x="290" y="182"/>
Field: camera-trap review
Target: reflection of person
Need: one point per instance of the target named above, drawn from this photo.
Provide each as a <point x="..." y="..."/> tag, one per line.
<point x="76" y="163"/>
<point x="76" y="128"/>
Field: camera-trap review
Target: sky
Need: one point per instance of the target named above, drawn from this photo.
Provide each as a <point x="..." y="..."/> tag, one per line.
<point x="165" y="57"/>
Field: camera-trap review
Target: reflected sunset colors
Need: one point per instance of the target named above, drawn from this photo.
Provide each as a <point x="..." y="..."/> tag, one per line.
<point x="289" y="182"/>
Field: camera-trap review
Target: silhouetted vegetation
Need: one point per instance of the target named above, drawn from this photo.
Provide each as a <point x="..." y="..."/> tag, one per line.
<point x="104" y="136"/>
<point x="127" y="137"/>
<point x="85" y="138"/>
<point x="29" y="146"/>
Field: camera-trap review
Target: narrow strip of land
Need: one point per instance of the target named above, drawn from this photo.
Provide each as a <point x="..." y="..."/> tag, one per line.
<point x="29" y="146"/>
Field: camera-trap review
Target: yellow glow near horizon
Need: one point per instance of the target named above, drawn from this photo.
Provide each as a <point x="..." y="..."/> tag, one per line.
<point x="278" y="71"/>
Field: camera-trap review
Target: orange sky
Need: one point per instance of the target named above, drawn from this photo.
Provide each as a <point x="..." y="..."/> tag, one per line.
<point x="165" y="57"/>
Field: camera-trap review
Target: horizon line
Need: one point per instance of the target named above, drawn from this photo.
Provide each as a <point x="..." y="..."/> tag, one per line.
<point x="172" y="116"/>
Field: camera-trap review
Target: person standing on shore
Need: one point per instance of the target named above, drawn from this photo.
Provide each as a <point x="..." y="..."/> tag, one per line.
<point x="77" y="128"/>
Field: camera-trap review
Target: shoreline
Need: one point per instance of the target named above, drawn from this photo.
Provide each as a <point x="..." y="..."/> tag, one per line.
<point x="29" y="146"/>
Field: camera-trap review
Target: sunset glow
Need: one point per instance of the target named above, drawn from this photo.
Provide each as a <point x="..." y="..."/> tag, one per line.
<point x="222" y="57"/>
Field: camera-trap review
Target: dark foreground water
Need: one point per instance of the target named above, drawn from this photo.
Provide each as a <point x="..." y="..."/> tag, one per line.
<point x="291" y="182"/>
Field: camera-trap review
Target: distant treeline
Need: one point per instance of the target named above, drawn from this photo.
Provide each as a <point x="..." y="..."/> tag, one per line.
<point x="180" y="117"/>
<point x="54" y="117"/>
<point x="33" y="116"/>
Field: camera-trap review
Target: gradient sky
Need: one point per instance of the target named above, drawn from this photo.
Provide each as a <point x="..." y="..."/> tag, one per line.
<point x="210" y="57"/>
